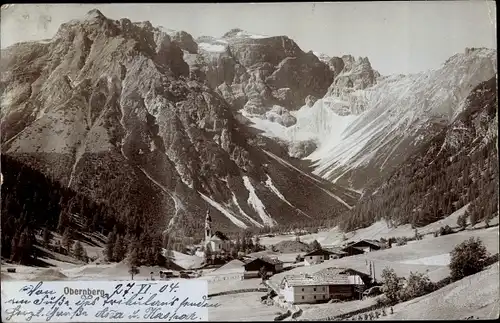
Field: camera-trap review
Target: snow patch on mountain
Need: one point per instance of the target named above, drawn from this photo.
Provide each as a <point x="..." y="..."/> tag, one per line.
<point x="215" y="48"/>
<point x="322" y="57"/>
<point x="270" y="184"/>
<point x="244" y="34"/>
<point x="319" y="123"/>
<point x="238" y="33"/>
<point x="235" y="201"/>
<point x="224" y="211"/>
<point x="365" y="127"/>
<point x="257" y="204"/>
<point x="401" y="107"/>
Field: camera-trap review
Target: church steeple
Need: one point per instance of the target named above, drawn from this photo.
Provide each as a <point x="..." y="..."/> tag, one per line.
<point x="208" y="226"/>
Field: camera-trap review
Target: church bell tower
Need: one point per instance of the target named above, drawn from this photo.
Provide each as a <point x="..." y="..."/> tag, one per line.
<point x="208" y="226"/>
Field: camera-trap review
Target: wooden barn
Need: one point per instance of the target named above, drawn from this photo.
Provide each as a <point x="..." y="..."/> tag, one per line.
<point x="253" y="266"/>
<point x="368" y="245"/>
<point x="352" y="251"/>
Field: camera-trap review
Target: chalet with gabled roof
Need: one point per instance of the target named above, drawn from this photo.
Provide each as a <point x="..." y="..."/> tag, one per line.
<point x="253" y="265"/>
<point x="352" y="251"/>
<point x="317" y="256"/>
<point x="330" y="283"/>
<point x="368" y="245"/>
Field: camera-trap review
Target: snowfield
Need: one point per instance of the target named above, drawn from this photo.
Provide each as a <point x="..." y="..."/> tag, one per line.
<point x="354" y="127"/>
<point x="322" y="311"/>
<point x="427" y="255"/>
<point x="438" y="260"/>
<point x="380" y="229"/>
<point x="242" y="307"/>
<point x="186" y="261"/>
<point x="214" y="48"/>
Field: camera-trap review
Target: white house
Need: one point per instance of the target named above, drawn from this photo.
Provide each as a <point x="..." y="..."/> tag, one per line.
<point x="318" y="256"/>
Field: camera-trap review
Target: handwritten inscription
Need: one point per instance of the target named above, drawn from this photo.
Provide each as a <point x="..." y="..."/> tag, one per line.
<point x="131" y="301"/>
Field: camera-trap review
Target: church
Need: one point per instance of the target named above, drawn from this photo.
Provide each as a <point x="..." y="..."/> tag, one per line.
<point x="217" y="241"/>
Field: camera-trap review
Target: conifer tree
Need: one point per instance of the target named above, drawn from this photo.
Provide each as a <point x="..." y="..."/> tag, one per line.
<point x="110" y="244"/>
<point x="119" y="249"/>
<point x="78" y="251"/>
<point x="63" y="221"/>
<point x="66" y="239"/>
<point x="47" y="237"/>
<point x="133" y="261"/>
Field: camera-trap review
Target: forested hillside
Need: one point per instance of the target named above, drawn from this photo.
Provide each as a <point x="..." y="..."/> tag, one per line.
<point x="33" y="203"/>
<point x="457" y="167"/>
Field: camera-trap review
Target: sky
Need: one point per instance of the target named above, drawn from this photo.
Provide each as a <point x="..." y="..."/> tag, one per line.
<point x="397" y="37"/>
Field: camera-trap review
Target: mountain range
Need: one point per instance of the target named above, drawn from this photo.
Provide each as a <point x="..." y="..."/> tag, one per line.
<point x="162" y="126"/>
<point x="458" y="167"/>
<point x="112" y="110"/>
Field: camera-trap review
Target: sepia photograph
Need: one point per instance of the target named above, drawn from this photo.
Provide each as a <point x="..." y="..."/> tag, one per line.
<point x="315" y="161"/>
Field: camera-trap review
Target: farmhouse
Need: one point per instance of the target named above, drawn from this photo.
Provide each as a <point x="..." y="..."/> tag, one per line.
<point x="368" y="245"/>
<point x="331" y="283"/>
<point x="337" y="251"/>
<point x="352" y="251"/>
<point x="318" y="256"/>
<point x="252" y="266"/>
<point x="248" y="267"/>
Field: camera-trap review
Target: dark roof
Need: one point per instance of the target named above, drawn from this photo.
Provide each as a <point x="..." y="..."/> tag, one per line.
<point x="334" y="250"/>
<point x="319" y="252"/>
<point x="351" y="247"/>
<point x="220" y="235"/>
<point x="246" y="260"/>
<point x="270" y="261"/>
<point x="373" y="243"/>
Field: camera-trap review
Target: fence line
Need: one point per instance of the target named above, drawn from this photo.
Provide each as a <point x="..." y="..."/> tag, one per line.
<point x="239" y="291"/>
<point x="224" y="277"/>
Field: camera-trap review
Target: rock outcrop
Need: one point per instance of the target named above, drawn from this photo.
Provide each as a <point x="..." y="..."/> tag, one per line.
<point x="255" y="72"/>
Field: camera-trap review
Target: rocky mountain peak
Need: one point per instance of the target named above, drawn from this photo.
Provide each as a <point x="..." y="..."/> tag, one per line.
<point x="184" y="40"/>
<point x="232" y="33"/>
<point x="94" y="14"/>
<point x="258" y="73"/>
<point x="110" y="108"/>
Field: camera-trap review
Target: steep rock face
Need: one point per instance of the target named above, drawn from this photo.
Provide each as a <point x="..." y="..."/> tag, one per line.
<point x="363" y="134"/>
<point x="401" y="111"/>
<point x="322" y="122"/>
<point x="111" y="109"/>
<point x="456" y="167"/>
<point x="184" y="40"/>
<point x="352" y="73"/>
<point x="255" y="72"/>
<point x="351" y="78"/>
